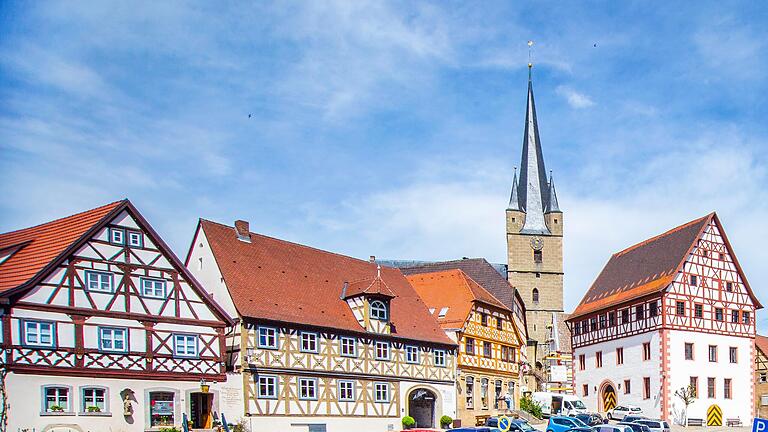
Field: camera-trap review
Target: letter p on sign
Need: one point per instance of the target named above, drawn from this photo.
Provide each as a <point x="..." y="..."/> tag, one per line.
<point x="760" y="425"/>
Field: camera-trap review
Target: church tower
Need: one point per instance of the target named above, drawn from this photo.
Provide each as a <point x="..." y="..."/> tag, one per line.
<point x="535" y="236"/>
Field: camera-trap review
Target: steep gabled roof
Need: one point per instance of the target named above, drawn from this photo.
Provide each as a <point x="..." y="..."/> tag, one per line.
<point x="38" y="246"/>
<point x="454" y="290"/>
<point x="43" y="247"/>
<point x="478" y="269"/>
<point x="276" y="280"/>
<point x="648" y="267"/>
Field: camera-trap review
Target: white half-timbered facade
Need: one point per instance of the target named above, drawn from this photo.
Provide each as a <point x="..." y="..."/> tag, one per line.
<point x="671" y="312"/>
<point x="103" y="328"/>
<point x="322" y="341"/>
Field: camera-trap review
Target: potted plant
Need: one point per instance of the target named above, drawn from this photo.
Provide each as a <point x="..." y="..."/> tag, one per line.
<point x="56" y="408"/>
<point x="93" y="409"/>
<point x="445" y="421"/>
<point x="408" y="422"/>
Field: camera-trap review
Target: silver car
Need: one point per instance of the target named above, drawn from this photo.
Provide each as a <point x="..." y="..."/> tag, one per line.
<point x="655" y="425"/>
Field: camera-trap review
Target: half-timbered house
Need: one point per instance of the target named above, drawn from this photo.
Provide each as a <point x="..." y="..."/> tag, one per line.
<point x="103" y="327"/>
<point x="488" y="369"/>
<point x="493" y="278"/>
<point x="761" y="376"/>
<point x="672" y="311"/>
<point x="325" y="341"/>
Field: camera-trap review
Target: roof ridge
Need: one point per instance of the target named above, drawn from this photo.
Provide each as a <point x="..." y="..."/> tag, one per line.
<point x="297" y="244"/>
<point x="664" y="234"/>
<point x="114" y="203"/>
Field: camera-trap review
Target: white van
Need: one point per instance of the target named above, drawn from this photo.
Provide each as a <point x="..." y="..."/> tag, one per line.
<point x="559" y="404"/>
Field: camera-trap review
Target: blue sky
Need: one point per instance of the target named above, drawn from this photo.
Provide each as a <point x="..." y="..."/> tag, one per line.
<point x="390" y="128"/>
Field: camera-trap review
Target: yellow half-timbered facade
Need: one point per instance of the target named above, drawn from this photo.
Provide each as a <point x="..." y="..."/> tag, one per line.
<point x="323" y="340"/>
<point x="490" y="342"/>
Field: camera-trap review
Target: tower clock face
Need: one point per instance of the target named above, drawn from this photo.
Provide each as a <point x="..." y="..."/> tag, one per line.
<point x="537" y="243"/>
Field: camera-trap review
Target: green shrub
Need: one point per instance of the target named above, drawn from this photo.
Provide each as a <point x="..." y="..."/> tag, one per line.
<point x="240" y="426"/>
<point x="94" y="409"/>
<point x="169" y="429"/>
<point x="530" y="406"/>
<point x="445" y="421"/>
<point x="409" y="422"/>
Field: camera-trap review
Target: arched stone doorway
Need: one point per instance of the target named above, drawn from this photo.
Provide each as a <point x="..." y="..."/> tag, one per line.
<point x="421" y="406"/>
<point x="608" y="399"/>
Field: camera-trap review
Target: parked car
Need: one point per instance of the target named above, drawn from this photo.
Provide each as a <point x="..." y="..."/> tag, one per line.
<point x="562" y="424"/>
<point x="636" y="427"/>
<point x="631" y="418"/>
<point x="621" y="411"/>
<point x="580" y="429"/>
<point x="590" y="419"/>
<point x="655" y="425"/>
<point x="516" y="425"/>
<point x="612" y="428"/>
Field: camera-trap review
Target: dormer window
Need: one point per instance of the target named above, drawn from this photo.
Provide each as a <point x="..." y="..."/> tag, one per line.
<point x="378" y="310"/>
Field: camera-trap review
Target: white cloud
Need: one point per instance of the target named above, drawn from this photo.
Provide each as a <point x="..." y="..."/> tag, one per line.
<point x="433" y="219"/>
<point x="575" y="99"/>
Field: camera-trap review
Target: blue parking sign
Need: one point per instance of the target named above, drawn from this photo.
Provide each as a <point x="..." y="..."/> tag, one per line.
<point x="760" y="425"/>
<point x="505" y="423"/>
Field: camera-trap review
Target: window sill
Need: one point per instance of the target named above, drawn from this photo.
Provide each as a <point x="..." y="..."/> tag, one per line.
<point x="57" y="413"/>
<point x="95" y="414"/>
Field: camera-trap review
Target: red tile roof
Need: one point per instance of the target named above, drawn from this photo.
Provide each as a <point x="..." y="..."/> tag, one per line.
<point x="40" y="245"/>
<point x="647" y="267"/>
<point x="369" y="286"/>
<point x="276" y="280"/>
<point x="454" y="290"/>
<point x="761" y="342"/>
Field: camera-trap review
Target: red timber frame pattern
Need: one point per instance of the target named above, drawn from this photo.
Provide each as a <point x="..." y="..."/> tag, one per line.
<point x="711" y="260"/>
<point x="59" y="294"/>
<point x="709" y="277"/>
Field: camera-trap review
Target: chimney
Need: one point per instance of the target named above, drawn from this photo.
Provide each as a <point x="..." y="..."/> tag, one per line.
<point x="242" y="230"/>
<point x="372" y="258"/>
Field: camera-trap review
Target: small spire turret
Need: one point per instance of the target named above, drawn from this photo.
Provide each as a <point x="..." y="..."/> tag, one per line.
<point x="552" y="204"/>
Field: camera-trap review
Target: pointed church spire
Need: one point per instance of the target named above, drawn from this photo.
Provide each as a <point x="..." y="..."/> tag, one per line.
<point x="533" y="188"/>
<point x="552" y="205"/>
<point x="514" y="201"/>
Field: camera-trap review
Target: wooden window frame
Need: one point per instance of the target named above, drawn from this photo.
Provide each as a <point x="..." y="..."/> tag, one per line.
<point x="352" y="397"/>
<point x="385" y="386"/>
<point x="275" y="334"/>
<point x="187" y="336"/>
<point x="316" y="342"/>
<point x="129" y="240"/>
<point x="408" y="349"/>
<point x="89" y="276"/>
<point x="39" y="323"/>
<point x="388" y="349"/>
<point x="126" y="339"/>
<point x="300" y="388"/>
<point x="275" y="385"/>
<point x="342" y="339"/>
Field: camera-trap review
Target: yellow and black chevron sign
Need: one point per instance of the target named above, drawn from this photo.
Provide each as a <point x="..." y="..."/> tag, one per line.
<point x="609" y="400"/>
<point x="714" y="416"/>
